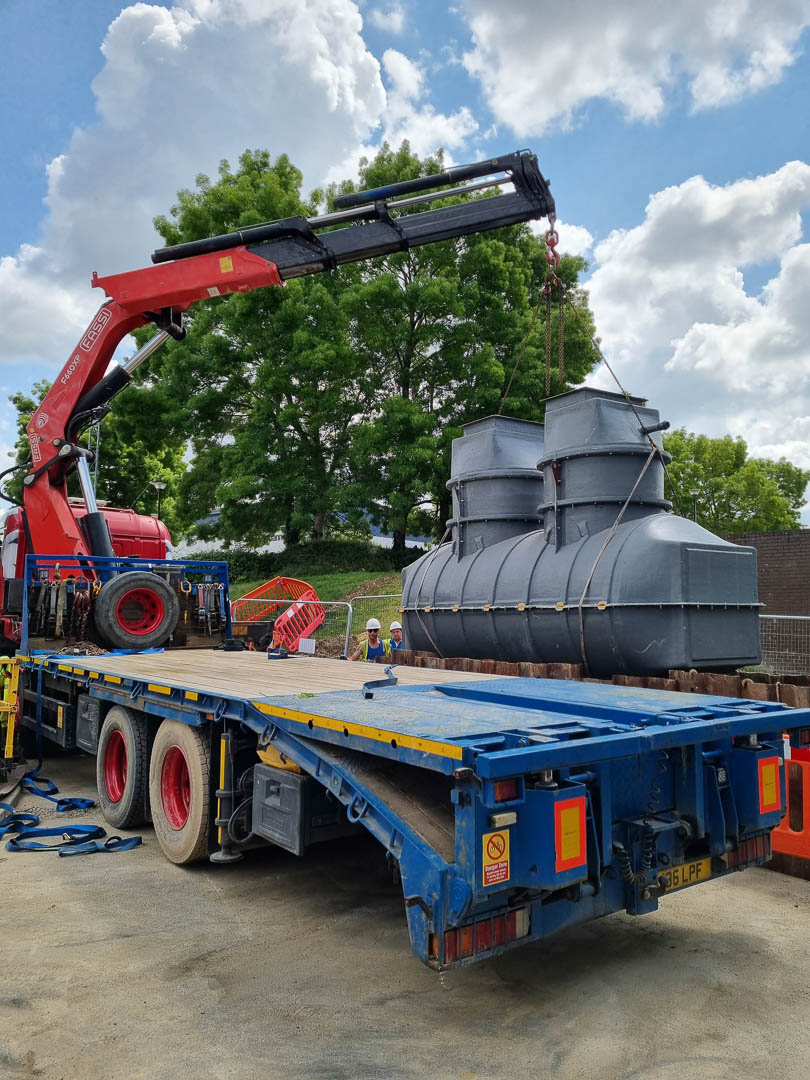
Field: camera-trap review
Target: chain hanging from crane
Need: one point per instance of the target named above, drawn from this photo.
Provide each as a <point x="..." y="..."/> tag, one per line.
<point x="553" y="261"/>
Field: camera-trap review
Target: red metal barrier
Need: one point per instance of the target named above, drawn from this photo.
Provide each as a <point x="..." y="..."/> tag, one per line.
<point x="285" y="595"/>
<point x="791" y="840"/>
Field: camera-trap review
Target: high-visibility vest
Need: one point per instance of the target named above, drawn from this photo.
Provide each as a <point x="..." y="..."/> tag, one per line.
<point x="386" y="650"/>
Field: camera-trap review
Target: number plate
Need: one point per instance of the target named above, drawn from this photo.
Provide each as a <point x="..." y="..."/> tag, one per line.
<point x="690" y="873"/>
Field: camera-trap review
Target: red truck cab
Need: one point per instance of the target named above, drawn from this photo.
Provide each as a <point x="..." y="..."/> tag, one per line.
<point x="135" y="536"/>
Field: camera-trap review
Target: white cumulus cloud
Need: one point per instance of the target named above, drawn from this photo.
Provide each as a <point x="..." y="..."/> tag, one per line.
<point x="540" y="64"/>
<point x="673" y="312"/>
<point x="408" y="115"/>
<point x="391" y="18"/>
<point x="182" y="88"/>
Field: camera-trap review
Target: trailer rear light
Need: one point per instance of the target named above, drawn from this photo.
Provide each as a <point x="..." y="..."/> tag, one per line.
<point x="450" y="946"/>
<point x="498" y="931"/>
<point x="505" y="790"/>
<point x="754" y="850"/>
<point x="517" y="924"/>
<point x="483" y="936"/>
<point x="467" y="941"/>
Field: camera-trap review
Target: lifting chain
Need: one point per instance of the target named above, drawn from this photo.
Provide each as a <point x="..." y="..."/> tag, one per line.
<point x="80" y="613"/>
<point x="553" y="261"/>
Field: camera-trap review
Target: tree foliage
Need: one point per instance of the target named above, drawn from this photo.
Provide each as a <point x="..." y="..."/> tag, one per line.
<point x="133" y="453"/>
<point x="734" y="493"/>
<point x="343" y="392"/>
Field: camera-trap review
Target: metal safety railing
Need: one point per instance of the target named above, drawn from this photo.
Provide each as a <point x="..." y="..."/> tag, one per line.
<point x="387" y="607"/>
<point x="785" y="643"/>
<point x="334" y="623"/>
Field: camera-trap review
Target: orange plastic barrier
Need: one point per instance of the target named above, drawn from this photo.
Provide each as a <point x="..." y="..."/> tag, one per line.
<point x="792" y="837"/>
<point x="297" y="619"/>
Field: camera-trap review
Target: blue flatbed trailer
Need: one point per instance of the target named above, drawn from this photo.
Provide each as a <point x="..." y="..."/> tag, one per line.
<point x="510" y="808"/>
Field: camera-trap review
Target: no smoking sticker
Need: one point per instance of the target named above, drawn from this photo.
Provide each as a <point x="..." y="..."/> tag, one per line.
<point x="496" y="857"/>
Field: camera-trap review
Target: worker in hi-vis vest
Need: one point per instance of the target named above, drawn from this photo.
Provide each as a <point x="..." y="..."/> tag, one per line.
<point x="395" y="641"/>
<point x="373" y="646"/>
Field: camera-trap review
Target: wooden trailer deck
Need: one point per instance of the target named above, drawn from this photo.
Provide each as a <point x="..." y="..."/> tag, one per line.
<point x="248" y="676"/>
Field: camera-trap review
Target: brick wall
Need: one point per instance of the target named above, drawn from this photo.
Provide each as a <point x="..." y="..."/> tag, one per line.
<point x="783" y="561"/>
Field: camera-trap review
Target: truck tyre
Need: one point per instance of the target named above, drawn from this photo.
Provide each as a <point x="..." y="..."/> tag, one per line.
<point x="179" y="791"/>
<point x="122" y="767"/>
<point x="136" y="610"/>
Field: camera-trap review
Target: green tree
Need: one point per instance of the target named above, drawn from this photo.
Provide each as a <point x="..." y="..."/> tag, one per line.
<point x="440" y="331"/>
<point x="265" y="386"/>
<point x="132" y="453"/>
<point x="343" y="392"/>
<point x="734" y="493"/>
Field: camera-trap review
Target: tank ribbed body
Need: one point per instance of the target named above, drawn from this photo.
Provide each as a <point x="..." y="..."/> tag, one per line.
<point x="658" y="592"/>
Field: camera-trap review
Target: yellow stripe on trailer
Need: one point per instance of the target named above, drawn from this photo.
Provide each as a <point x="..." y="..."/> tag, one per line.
<point x="158" y="689"/>
<point x="112" y="679"/>
<point x="362" y="731"/>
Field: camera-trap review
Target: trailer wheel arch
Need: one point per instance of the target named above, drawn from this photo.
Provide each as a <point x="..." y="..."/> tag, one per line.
<point x="122" y="767"/>
<point x="180" y="791"/>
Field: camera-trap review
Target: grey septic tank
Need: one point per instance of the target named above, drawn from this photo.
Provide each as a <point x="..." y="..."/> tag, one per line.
<point x="523" y="577"/>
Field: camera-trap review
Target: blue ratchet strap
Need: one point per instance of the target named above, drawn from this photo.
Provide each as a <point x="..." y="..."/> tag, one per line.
<point x="75" y="839"/>
<point x="50" y="790"/>
<point x="71" y="835"/>
<point x="13" y="822"/>
<point x="112" y="843"/>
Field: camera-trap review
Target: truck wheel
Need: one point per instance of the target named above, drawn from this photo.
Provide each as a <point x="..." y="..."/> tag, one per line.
<point x="179" y="791"/>
<point x="122" y="767"/>
<point x="136" y="610"/>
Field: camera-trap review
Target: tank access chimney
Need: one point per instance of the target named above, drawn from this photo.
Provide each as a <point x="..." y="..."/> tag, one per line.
<point x="495" y="483"/>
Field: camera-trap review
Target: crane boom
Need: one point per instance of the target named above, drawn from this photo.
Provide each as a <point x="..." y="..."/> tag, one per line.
<point x="241" y="261"/>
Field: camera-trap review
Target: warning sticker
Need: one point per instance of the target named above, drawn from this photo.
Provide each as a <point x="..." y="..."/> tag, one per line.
<point x="496" y="857"/>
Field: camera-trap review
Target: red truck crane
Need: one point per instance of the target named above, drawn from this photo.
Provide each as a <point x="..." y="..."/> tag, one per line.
<point x="136" y="608"/>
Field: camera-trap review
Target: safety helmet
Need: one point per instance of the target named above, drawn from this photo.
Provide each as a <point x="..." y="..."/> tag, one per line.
<point x="373" y="624"/>
<point x="395" y="625"/>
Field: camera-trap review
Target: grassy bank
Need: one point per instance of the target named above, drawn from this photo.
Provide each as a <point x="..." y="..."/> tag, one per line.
<point x="339" y="586"/>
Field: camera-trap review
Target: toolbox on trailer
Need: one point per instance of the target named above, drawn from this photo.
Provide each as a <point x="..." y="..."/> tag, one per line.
<point x="511" y="808"/>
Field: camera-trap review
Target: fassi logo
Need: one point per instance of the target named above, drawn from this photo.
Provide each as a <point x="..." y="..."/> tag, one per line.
<point x="41" y="420"/>
<point x="98" y="324"/>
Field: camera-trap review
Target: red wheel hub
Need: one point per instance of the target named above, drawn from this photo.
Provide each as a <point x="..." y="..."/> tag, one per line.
<point x="115" y="766"/>
<point x="175" y="788"/>
<point x="140" y="611"/>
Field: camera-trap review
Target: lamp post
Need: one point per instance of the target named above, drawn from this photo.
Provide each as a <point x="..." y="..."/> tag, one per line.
<point x="694" y="492"/>
<point x="159" y="486"/>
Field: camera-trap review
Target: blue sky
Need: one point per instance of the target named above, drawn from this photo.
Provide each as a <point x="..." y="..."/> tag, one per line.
<point x="676" y="139"/>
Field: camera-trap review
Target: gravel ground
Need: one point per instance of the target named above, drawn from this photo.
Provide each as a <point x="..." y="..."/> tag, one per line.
<point x="126" y="966"/>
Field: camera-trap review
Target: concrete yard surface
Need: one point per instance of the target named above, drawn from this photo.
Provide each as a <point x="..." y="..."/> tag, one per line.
<point x="125" y="966"/>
